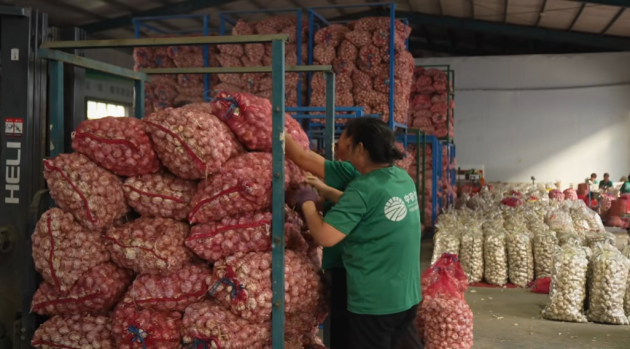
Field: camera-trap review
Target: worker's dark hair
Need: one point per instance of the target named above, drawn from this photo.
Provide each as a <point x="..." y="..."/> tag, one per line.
<point x="606" y="174"/>
<point x="181" y="104"/>
<point x="378" y="139"/>
<point x="593" y="175"/>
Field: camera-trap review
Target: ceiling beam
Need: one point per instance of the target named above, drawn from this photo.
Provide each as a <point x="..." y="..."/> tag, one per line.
<point x="456" y="51"/>
<point x="577" y="17"/>
<point x="184" y="7"/>
<point x="621" y="3"/>
<point x="541" y="13"/>
<point x="612" y="21"/>
<point x="506" y="5"/>
<point x="543" y="34"/>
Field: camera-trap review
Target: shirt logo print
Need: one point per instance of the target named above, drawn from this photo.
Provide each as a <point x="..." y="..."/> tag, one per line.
<point x="395" y="209"/>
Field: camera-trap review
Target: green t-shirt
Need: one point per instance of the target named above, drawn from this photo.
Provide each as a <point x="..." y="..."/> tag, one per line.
<point x="604" y="183"/>
<point x="338" y="175"/>
<point x="379" y="213"/>
<point x="625" y="188"/>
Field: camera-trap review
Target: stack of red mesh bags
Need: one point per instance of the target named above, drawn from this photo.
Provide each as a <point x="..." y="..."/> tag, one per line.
<point x="195" y="267"/>
<point x="444" y="187"/>
<point x="359" y="54"/>
<point x="430" y="107"/>
<point x="169" y="90"/>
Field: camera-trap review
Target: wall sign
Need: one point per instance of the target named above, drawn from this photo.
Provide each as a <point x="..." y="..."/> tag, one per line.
<point x="13" y="127"/>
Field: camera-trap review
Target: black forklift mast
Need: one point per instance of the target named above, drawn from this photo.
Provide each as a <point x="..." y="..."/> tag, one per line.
<point x="24" y="142"/>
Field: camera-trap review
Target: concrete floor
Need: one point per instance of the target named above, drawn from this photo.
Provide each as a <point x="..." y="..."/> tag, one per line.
<point x="510" y="318"/>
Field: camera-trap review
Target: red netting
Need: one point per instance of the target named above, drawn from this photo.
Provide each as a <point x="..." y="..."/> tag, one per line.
<point x="243" y="185"/>
<point x="79" y="186"/>
<point x="120" y="145"/>
<point x="160" y="195"/>
<point x="96" y="292"/>
<point x="173" y="292"/>
<point x="249" y="232"/>
<point x="145" y="329"/>
<point x="149" y="245"/>
<point x="55" y="252"/>
<point x="74" y="332"/>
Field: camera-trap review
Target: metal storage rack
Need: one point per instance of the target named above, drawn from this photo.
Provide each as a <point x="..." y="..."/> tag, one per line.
<point x="142" y="22"/>
<point x="450" y="95"/>
<point x="417" y="137"/>
<point x="29" y="91"/>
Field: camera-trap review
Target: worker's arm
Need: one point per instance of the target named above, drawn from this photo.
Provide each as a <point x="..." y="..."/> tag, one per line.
<point x="339" y="222"/>
<point x="305" y="159"/>
<point x="329" y="193"/>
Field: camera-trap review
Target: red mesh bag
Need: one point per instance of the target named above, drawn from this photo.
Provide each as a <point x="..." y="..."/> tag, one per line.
<point x="191" y="143"/>
<point x="541" y="285"/>
<point x="407" y="161"/>
<point x="207" y="324"/>
<point x="348" y="51"/>
<point x="55" y="252"/>
<point x="249" y="232"/>
<point x="119" y="145"/>
<point x="570" y="194"/>
<point x="93" y="195"/>
<point x="243" y="185"/>
<point x="362" y="81"/>
<point x="324" y="54"/>
<point x="370" y="60"/>
<point x="242" y="283"/>
<point x="359" y="38"/>
<point x="331" y="35"/>
<point x="145" y="329"/>
<point x="448" y="320"/>
<point x="450" y="263"/>
<point x="74" y="332"/>
<point x="160" y="195"/>
<point x="173" y="292"/>
<point x="96" y="292"/>
<point x="149" y="245"/>
<point x="250" y="118"/>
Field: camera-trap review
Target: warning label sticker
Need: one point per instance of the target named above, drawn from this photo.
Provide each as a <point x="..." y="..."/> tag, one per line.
<point x="13" y="127"/>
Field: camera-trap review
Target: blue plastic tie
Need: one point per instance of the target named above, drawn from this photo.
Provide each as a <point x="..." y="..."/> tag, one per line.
<point x="198" y="342"/>
<point x="227" y="282"/>
<point x="233" y="104"/>
<point x="158" y="60"/>
<point x="137" y="335"/>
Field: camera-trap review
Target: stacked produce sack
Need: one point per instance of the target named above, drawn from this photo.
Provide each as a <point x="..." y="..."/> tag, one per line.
<point x="558" y="247"/>
<point x="430" y="107"/>
<point x="195" y="267"/>
<point x="164" y="91"/>
<point x="359" y="54"/>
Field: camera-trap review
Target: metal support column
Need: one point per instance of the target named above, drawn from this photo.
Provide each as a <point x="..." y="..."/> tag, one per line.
<point x="277" y="223"/>
<point x="56" y="108"/>
<point x="23" y="144"/>
<point x="138" y="106"/>
<point x="330" y="116"/>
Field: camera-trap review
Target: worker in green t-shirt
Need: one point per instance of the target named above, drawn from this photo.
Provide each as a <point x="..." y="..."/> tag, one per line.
<point x="337" y="175"/>
<point x="377" y="222"/>
<point x="625" y="187"/>
<point x="606" y="183"/>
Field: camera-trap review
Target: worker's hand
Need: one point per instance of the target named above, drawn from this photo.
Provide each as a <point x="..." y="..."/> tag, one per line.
<point x="316" y="183"/>
<point x="304" y="195"/>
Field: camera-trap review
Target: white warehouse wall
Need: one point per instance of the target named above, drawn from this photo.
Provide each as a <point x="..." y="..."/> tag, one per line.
<point x="555" y="117"/>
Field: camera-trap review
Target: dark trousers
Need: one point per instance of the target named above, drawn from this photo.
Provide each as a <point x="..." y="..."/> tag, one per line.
<point x="392" y="331"/>
<point x="338" y="319"/>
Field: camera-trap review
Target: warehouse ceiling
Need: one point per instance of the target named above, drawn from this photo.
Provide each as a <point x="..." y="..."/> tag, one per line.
<point x="440" y="27"/>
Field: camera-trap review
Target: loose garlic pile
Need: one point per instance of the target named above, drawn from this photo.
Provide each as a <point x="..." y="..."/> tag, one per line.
<point x="608" y="287"/>
<point x="568" y="285"/>
<point x="471" y="254"/>
<point x="520" y="258"/>
<point x="545" y="244"/>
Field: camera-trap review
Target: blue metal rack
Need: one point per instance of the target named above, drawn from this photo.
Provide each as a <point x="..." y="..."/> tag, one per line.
<point x="142" y="22"/>
<point x="436" y="174"/>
